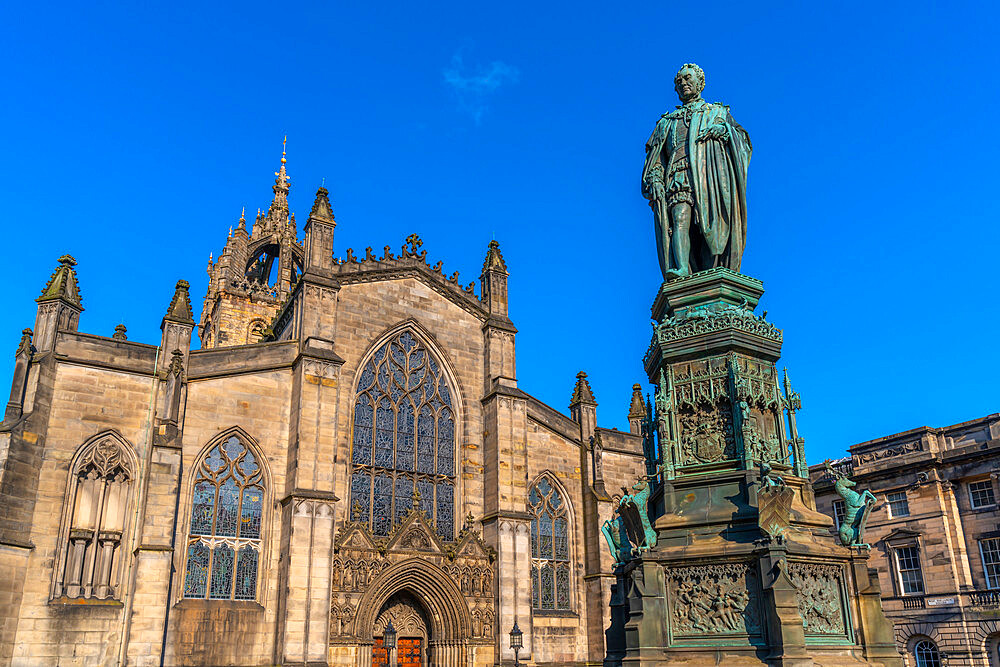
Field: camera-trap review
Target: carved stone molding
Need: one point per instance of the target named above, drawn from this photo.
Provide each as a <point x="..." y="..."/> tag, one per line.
<point x="319" y="368"/>
<point x="888" y="452"/>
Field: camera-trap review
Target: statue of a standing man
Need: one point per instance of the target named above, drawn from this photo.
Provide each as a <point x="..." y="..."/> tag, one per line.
<point x="695" y="179"/>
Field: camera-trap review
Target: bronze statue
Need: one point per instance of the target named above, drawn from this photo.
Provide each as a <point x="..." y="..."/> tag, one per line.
<point x="695" y="179"/>
<point x="857" y="507"/>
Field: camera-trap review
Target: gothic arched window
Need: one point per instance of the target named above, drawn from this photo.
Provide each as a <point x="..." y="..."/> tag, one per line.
<point x="97" y="501"/>
<point x="404" y="439"/>
<point x="549" y="547"/>
<point x="224" y="544"/>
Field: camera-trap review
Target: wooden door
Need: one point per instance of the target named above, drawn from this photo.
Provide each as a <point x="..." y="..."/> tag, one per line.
<point x="380" y="657"/>
<point x="408" y="652"/>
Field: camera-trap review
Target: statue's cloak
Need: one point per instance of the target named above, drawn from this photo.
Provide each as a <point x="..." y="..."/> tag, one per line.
<point x="718" y="177"/>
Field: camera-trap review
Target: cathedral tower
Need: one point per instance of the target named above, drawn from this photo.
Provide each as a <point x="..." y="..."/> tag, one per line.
<point x="254" y="274"/>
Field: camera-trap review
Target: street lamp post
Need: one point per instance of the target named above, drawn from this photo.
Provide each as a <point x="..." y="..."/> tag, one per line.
<point x="516" y="641"/>
<point x="389" y="642"/>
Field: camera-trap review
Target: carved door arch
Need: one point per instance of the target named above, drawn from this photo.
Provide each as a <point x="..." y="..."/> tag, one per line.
<point x="409" y="618"/>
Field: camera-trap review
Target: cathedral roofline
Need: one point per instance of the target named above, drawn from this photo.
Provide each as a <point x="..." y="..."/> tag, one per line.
<point x="388" y="267"/>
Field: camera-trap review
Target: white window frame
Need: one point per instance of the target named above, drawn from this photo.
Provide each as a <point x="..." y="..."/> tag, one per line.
<point x="889" y="501"/>
<point x="899" y="570"/>
<point x="839" y="510"/>
<point x="991" y="582"/>
<point x="972" y="498"/>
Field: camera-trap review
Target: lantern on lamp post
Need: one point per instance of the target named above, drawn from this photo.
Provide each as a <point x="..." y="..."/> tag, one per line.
<point x="389" y="642"/>
<point x="516" y="641"/>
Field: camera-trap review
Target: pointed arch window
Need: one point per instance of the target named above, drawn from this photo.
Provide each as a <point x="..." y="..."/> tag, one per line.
<point x="97" y="505"/>
<point x="549" y="547"/>
<point x="224" y="539"/>
<point x="403" y="452"/>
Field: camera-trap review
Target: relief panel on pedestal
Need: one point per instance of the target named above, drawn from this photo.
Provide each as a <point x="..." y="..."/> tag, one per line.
<point x="820" y="596"/>
<point x="713" y="605"/>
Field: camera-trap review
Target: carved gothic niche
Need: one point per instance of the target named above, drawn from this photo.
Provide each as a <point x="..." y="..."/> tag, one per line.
<point x="98" y="496"/>
<point x="255" y="332"/>
<point x="711" y="602"/>
<point x="762" y="435"/>
<point x="820" y="596"/>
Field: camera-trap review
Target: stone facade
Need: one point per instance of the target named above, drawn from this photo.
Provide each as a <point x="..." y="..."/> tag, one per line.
<point x="110" y="553"/>
<point x="934" y="535"/>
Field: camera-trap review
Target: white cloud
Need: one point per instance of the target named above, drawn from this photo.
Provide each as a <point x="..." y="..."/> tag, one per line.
<point x="474" y="86"/>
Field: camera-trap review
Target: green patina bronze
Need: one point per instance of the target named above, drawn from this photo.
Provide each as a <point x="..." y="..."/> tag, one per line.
<point x="634" y="509"/>
<point x="695" y="179"/>
<point x="857" y="508"/>
<point x="617" y="537"/>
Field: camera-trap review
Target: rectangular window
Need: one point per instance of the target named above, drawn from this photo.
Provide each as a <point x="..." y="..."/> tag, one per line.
<point x="989" y="550"/>
<point x="981" y="494"/>
<point x="838" y="513"/>
<point x="898" y="506"/>
<point x="911" y="580"/>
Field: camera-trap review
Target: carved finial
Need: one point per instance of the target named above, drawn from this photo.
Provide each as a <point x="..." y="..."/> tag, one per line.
<point x="414" y="241"/>
<point x="24" y="347"/>
<point x="179" y="309"/>
<point x="582" y="392"/>
<point x="494" y="258"/>
<point x="119" y="333"/>
<point x="283" y="142"/>
<point x="243" y="219"/>
<point x="636" y="408"/>
<point x="469" y="519"/>
<point x="62" y="284"/>
<point x="356" y="510"/>
<point x="321" y="206"/>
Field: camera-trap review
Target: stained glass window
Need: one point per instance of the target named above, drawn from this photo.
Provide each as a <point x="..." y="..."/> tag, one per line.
<point x="549" y="547"/>
<point x="404" y="439"/>
<point x="224" y="534"/>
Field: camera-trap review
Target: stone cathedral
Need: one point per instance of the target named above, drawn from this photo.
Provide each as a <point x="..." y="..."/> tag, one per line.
<point x="345" y="471"/>
<point x="347" y="446"/>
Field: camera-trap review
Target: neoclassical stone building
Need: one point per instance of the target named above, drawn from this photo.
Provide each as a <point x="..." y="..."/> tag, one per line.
<point x="935" y="537"/>
<point x="348" y="446"/>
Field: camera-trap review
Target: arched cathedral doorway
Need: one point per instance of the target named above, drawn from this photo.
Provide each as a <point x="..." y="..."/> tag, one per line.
<point x="409" y="618"/>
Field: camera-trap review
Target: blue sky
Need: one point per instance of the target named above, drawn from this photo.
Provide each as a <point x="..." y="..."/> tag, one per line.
<point x="135" y="134"/>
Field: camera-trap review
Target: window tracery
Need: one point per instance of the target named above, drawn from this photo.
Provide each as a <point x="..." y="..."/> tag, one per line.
<point x="403" y="450"/>
<point x="98" y="500"/>
<point x="549" y="547"/>
<point x="224" y="540"/>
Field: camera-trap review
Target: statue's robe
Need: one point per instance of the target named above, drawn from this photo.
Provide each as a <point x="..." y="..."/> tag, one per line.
<point x="717" y="176"/>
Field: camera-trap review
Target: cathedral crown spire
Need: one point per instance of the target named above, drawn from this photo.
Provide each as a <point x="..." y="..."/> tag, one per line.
<point x="277" y="213"/>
